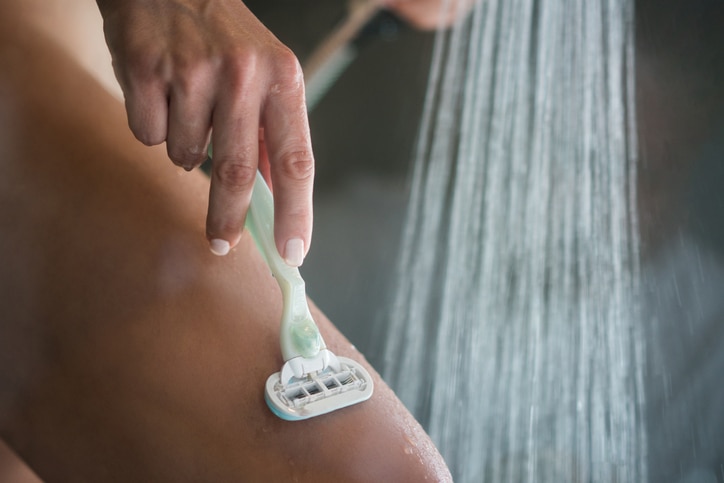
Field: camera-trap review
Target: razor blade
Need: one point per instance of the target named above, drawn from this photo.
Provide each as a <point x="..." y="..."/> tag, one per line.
<point x="338" y="386"/>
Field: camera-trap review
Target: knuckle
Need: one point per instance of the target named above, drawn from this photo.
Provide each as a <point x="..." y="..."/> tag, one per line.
<point x="186" y="156"/>
<point x="191" y="74"/>
<point x="145" y="65"/>
<point x="241" y="66"/>
<point x="290" y="78"/>
<point x="288" y="62"/>
<point x="297" y="165"/>
<point x="236" y="174"/>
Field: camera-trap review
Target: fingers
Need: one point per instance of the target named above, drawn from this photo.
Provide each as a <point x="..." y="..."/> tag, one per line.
<point x="147" y="108"/>
<point x="289" y="147"/>
<point x="240" y="148"/>
<point x="189" y="119"/>
<point x="234" y="166"/>
<point x="186" y="71"/>
<point x="173" y="104"/>
<point x="146" y="91"/>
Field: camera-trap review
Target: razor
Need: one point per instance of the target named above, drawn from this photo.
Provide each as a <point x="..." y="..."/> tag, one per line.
<point x="313" y="380"/>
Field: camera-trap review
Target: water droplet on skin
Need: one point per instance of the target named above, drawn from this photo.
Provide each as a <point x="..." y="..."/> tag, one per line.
<point x="410" y="445"/>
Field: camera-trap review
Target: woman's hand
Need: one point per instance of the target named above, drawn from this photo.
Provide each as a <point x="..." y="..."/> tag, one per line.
<point x="190" y="67"/>
<point x="429" y="14"/>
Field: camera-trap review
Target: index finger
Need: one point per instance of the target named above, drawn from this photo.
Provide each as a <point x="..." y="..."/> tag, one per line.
<point x="289" y="146"/>
<point x="233" y="170"/>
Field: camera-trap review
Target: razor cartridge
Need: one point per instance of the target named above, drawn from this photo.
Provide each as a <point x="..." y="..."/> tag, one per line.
<point x="318" y="393"/>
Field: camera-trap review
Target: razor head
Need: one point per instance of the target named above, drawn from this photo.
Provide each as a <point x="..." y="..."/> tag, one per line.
<point x="320" y="392"/>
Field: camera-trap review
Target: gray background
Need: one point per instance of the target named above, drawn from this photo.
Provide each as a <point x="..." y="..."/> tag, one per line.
<point x="364" y="131"/>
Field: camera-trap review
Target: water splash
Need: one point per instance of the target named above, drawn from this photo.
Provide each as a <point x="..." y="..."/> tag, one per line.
<point x="513" y="335"/>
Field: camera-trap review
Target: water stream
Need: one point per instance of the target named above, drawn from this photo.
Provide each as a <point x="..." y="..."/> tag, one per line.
<point x="513" y="334"/>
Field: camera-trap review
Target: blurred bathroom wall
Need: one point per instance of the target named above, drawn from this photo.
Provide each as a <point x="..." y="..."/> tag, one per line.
<point x="680" y="97"/>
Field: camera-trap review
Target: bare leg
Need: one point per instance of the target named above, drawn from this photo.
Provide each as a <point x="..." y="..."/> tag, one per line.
<point x="127" y="351"/>
<point x="77" y="27"/>
<point x="12" y="469"/>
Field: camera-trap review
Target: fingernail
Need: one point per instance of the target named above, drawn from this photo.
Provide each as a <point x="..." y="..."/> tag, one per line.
<point x="294" y="252"/>
<point x="219" y="247"/>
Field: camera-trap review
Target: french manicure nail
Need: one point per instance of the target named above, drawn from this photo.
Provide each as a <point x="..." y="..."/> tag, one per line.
<point x="294" y="252"/>
<point x="219" y="247"/>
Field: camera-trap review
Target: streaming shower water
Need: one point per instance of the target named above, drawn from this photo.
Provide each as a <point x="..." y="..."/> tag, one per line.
<point x="514" y="336"/>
